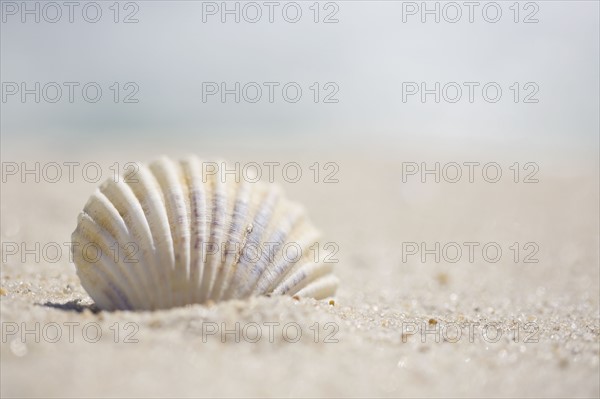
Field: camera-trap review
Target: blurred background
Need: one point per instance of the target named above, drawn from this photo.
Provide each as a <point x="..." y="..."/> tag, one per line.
<point x="368" y="54"/>
<point x="368" y="87"/>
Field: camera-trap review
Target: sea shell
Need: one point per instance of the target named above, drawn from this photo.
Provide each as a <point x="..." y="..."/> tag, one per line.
<point x="178" y="233"/>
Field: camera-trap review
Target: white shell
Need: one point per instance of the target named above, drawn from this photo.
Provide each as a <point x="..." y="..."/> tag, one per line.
<point x="175" y="234"/>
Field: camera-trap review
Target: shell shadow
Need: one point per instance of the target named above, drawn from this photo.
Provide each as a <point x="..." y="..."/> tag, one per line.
<point x="72" y="306"/>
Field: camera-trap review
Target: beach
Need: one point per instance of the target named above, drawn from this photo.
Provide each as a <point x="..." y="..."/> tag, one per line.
<point x="392" y="329"/>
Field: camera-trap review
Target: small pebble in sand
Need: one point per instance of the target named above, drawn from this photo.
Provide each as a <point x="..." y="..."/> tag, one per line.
<point x="3" y="292"/>
<point x="442" y="278"/>
<point x="155" y="323"/>
<point x="563" y="363"/>
<point x="332" y="302"/>
<point x="432" y="322"/>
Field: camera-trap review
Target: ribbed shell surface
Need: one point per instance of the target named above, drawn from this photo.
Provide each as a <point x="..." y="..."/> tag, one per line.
<point x="174" y="234"/>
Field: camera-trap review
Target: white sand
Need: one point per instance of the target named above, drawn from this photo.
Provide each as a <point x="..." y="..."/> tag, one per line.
<point x="369" y="214"/>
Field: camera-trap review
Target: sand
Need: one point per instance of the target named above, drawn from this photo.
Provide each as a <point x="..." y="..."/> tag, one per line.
<point x="527" y="329"/>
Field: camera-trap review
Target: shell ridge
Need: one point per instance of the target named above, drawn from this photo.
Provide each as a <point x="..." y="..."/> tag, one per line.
<point x="116" y="277"/>
<point x="105" y="217"/>
<point x="285" y="267"/>
<point x="320" y="288"/>
<point x="97" y="283"/>
<point x="306" y="272"/>
<point x="150" y="196"/>
<point x="236" y="230"/>
<point x="123" y="198"/>
<point x="212" y="250"/>
<point x="251" y="269"/>
<point x="284" y="234"/>
<point x="166" y="174"/>
<point x="302" y="235"/>
<point x="198" y="225"/>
